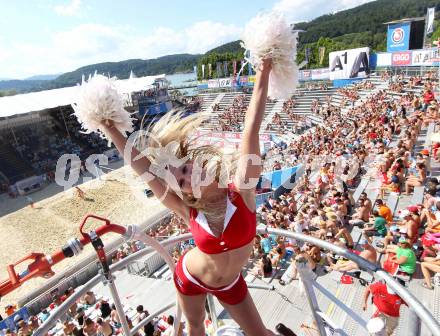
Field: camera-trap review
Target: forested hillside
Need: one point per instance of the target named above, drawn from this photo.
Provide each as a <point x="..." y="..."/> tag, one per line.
<point x="357" y="27"/>
<point x="167" y="64"/>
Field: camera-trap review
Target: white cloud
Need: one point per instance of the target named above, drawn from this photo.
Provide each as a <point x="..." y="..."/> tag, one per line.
<point x="70" y="9"/>
<point x="94" y="43"/>
<point x="87" y="40"/>
<point x="206" y="34"/>
<point x="305" y="10"/>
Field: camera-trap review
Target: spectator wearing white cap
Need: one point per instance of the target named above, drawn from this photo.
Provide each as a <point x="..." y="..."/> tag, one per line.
<point x="404" y="256"/>
<point x="409" y="224"/>
<point x="392" y="237"/>
<point x="387" y="304"/>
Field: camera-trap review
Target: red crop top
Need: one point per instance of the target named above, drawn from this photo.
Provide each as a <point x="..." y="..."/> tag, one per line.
<point x="239" y="227"/>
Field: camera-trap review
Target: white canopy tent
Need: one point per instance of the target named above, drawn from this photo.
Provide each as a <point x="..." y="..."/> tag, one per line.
<point x="38" y="101"/>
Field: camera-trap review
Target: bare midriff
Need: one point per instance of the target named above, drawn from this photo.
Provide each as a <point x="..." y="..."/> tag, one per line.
<point x="217" y="270"/>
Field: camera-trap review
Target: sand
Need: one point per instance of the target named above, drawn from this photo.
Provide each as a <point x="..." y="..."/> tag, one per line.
<point x="46" y="228"/>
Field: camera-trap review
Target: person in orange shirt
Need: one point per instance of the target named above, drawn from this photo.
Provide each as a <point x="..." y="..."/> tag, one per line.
<point x="10" y="309"/>
<point x="384" y="211"/>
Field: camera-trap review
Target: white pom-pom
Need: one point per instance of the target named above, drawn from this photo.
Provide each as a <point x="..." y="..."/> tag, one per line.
<point x="269" y="35"/>
<point x="99" y="100"/>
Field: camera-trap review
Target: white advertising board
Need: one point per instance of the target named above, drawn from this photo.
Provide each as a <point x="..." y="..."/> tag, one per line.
<point x="349" y="64"/>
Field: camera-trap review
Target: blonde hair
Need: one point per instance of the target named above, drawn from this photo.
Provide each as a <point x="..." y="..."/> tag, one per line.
<point x="175" y="127"/>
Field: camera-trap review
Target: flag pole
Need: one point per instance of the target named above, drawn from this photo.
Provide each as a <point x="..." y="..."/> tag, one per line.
<point x="426" y="28"/>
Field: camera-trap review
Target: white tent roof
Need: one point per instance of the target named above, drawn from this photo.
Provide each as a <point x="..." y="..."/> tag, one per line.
<point x="38" y="101"/>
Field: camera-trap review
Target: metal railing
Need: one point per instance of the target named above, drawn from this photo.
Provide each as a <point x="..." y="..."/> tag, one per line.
<point x="419" y="310"/>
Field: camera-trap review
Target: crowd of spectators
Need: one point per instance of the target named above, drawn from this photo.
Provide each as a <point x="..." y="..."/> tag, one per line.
<point x="40" y="146"/>
<point x="289" y="105"/>
<point x="350" y="94"/>
<point x="398" y="82"/>
<point x="92" y="315"/>
<point x="316" y="86"/>
<point x="314" y="106"/>
<point x="325" y="107"/>
<point x="364" y="85"/>
<point x="90" y="143"/>
<point x="327" y="209"/>
<point x="321" y="204"/>
<point x="192" y="104"/>
<point x="232" y="117"/>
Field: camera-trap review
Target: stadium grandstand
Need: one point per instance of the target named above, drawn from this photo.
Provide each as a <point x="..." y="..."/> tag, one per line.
<point x="37" y="128"/>
<point x="348" y="208"/>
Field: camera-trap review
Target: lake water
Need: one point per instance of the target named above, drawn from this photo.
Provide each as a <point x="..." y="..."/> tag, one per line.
<point x="179" y="79"/>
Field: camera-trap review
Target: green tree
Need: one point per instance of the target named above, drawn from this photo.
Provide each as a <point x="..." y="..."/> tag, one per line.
<point x="436" y="34"/>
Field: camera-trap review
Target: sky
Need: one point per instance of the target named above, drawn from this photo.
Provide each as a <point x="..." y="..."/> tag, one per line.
<point x="55" y="36"/>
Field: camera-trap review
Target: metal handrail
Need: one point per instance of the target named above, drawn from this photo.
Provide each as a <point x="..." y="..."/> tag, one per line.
<point x="60" y="310"/>
<point x="409" y="298"/>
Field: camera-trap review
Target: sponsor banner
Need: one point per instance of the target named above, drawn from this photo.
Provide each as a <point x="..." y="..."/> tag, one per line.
<point x="226" y="82"/>
<point x="227" y="143"/>
<point x="202" y="85"/>
<point x="219" y="83"/>
<point x="320" y="74"/>
<point x="339" y="83"/>
<point x="383" y="59"/>
<point x="349" y="64"/>
<point x="425" y="57"/>
<point x="420" y="57"/>
<point x="305" y="75"/>
<point x="314" y="74"/>
<point x="398" y="37"/>
<point x="233" y="136"/>
<point x="213" y="84"/>
<point x="401" y="58"/>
